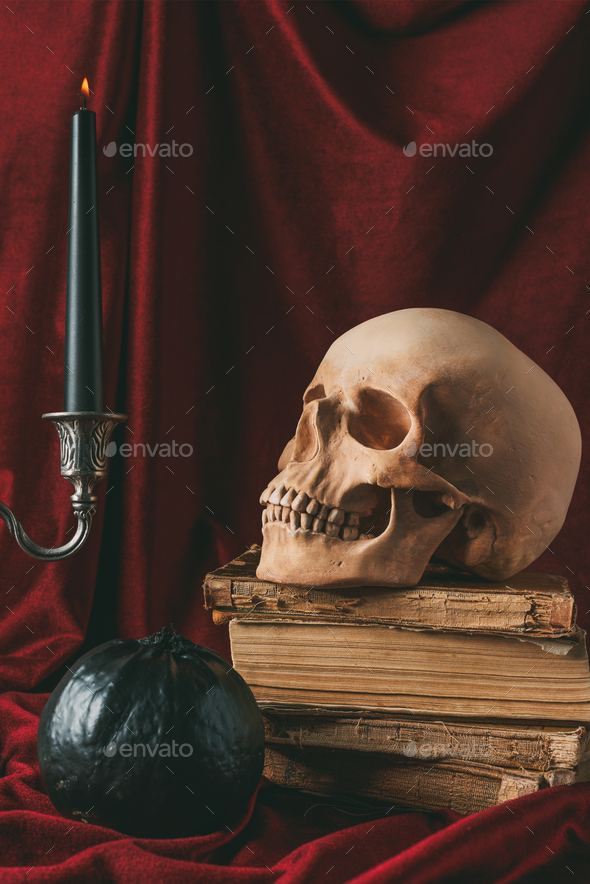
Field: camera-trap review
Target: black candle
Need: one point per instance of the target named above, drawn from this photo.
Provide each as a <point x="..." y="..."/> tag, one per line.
<point x="83" y="372"/>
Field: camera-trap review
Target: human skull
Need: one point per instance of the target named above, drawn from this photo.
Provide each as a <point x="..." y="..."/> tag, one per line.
<point x="424" y="432"/>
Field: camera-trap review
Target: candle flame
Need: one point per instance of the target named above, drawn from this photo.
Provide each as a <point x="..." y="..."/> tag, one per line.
<point x="85" y="90"/>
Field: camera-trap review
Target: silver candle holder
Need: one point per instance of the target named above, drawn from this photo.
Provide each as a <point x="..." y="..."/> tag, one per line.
<point x="84" y="437"/>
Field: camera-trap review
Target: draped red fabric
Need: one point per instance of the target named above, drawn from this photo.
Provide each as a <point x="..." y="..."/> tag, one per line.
<point x="227" y="273"/>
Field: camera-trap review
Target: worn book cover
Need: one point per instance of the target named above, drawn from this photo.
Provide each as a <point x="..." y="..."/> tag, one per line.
<point x="502" y="744"/>
<point x="423" y="672"/>
<point x="464" y="786"/>
<point x="539" y="604"/>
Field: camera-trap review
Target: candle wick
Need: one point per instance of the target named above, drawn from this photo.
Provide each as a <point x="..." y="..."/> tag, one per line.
<point x="83" y="102"/>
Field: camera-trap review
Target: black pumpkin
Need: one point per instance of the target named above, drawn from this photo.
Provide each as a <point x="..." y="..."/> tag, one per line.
<point x="157" y="738"/>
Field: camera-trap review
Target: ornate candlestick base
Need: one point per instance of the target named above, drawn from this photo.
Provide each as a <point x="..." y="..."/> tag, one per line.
<point x="84" y="436"/>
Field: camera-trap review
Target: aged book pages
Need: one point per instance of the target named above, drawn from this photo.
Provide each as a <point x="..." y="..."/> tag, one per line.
<point x="540" y="604"/>
<point x="418" y="671"/>
<point x="433" y="785"/>
<point x="532" y="747"/>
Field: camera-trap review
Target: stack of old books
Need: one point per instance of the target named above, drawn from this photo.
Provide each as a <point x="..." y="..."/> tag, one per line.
<point x="456" y="693"/>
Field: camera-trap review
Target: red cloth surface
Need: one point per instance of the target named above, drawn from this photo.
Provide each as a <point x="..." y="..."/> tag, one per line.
<point x="226" y="276"/>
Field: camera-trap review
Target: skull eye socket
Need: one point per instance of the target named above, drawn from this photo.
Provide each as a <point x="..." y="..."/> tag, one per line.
<point x="380" y="421"/>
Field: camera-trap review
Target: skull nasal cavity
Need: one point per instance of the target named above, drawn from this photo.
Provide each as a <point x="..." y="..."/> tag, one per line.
<point x="379" y="421"/>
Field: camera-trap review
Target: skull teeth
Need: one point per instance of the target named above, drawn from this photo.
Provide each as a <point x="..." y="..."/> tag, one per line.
<point x="300" y="502"/>
<point x="350" y="533"/>
<point x="277" y="495"/>
<point x="336" y="517"/>
<point x="288" y="498"/>
<point x="303" y="513"/>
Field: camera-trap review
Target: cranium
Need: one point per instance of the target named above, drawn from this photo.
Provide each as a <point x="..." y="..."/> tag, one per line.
<point x="424" y="432"/>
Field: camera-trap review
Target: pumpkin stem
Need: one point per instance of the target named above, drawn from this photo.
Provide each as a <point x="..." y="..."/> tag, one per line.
<point x="168" y="640"/>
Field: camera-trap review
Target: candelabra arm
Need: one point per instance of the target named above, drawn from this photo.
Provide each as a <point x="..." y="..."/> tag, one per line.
<point x="40" y="552"/>
<point x="84" y="438"/>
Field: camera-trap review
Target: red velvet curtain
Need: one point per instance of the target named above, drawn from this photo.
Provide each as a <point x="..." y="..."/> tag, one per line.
<point x="227" y="273"/>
